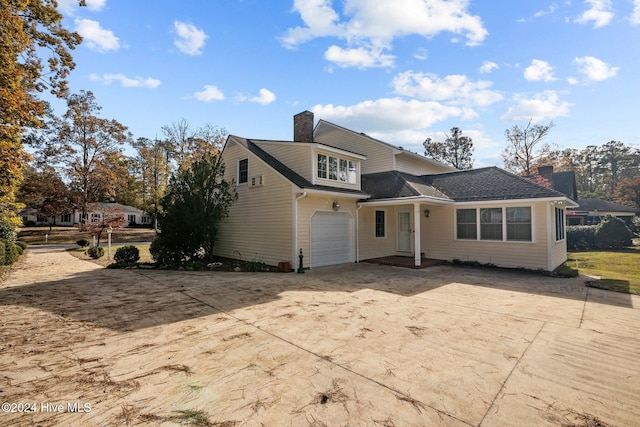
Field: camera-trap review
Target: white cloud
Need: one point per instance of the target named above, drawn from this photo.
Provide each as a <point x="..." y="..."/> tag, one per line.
<point x="68" y="7"/>
<point x="210" y="93"/>
<point x="539" y="71"/>
<point x="125" y="81"/>
<point x="594" y="69"/>
<point x="379" y="22"/>
<point x="552" y="8"/>
<point x="399" y="114"/>
<point x="422" y="54"/>
<point x="635" y="15"/>
<point x="543" y="106"/>
<point x="600" y="12"/>
<point x="190" y="39"/>
<point x="265" y="97"/>
<point x="358" y="57"/>
<point x="96" y="37"/>
<point x="487" y="67"/>
<point x="457" y="89"/>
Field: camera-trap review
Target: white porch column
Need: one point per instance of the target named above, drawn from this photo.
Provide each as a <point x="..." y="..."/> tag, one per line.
<point x="416" y="233"/>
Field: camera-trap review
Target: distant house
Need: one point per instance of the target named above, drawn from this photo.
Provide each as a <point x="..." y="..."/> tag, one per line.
<point x="591" y="211"/>
<point x="341" y="196"/>
<point x="95" y="213"/>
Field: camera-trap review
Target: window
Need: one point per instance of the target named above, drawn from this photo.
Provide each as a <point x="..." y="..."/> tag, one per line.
<point x="243" y="171"/>
<point x="322" y="166"/>
<point x="337" y="169"/>
<point x="95" y="217"/>
<point x="559" y="224"/>
<point x="342" y="173"/>
<point x="491" y="224"/>
<point x="466" y="224"/>
<point x="144" y="220"/>
<point x="519" y="224"/>
<point x="333" y="168"/>
<point x="351" y="174"/>
<point x="380" y="224"/>
<point x="131" y="219"/>
<point x="65" y="218"/>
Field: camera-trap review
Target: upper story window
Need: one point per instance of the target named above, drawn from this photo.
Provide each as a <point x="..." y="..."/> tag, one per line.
<point x="337" y="169"/>
<point x="243" y="171"/>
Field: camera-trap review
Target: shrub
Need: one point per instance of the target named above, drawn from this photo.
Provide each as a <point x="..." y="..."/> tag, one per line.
<point x="95" y="252"/>
<point x="612" y="233"/>
<point x="635" y="226"/>
<point x="23" y="245"/>
<point x="581" y="237"/>
<point x="3" y="250"/>
<point x="127" y="255"/>
<point x="7" y="230"/>
<point x="11" y="252"/>
<point x="83" y="243"/>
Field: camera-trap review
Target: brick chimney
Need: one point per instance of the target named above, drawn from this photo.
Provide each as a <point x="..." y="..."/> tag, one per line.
<point x="547" y="173"/>
<point x="303" y="127"/>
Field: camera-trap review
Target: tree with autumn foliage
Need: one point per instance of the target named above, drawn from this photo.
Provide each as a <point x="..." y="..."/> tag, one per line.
<point x="89" y="147"/>
<point x="29" y="29"/>
<point x="109" y="217"/>
<point x="44" y="191"/>
<point x="456" y="150"/>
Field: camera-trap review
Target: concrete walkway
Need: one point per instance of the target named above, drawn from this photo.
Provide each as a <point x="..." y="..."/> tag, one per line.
<point x="350" y="345"/>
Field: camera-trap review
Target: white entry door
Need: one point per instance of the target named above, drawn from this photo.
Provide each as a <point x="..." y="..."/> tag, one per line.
<point x="404" y="231"/>
<point x="330" y="238"/>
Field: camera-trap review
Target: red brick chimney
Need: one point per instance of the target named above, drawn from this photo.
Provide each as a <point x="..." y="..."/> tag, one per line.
<point x="303" y="127"/>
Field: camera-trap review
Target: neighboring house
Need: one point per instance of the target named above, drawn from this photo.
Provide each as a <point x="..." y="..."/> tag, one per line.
<point x="591" y="211"/>
<point x="341" y="196"/>
<point x="94" y="214"/>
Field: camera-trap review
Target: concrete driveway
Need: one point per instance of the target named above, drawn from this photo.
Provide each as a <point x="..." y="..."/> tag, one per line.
<point x="350" y="345"/>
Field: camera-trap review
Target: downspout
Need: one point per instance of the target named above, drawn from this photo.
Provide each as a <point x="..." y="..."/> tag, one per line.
<point x="358" y="233"/>
<point x="294" y="253"/>
<point x="550" y="232"/>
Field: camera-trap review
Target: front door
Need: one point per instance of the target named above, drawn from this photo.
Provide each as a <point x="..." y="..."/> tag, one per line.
<point x="404" y="231"/>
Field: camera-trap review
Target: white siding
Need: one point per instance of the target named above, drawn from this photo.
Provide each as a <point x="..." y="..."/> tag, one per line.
<point x="296" y="156"/>
<point x="259" y="225"/>
<point x="410" y="164"/>
<point x="379" y="156"/>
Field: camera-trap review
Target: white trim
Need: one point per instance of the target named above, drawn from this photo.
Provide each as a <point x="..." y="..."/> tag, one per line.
<point x="504" y="224"/>
<point x="417" y="233"/>
<point x="336" y="193"/>
<point x="482" y="203"/>
<point x="408" y="201"/>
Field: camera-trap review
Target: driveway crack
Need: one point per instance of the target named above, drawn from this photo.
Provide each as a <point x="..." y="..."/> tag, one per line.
<point x="510" y="373"/>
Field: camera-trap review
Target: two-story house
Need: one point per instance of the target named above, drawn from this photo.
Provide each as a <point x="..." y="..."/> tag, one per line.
<point x="341" y="196"/>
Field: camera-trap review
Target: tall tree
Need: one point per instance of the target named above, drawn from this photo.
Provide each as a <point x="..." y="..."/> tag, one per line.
<point x="618" y="160"/>
<point x="88" y="144"/>
<point x="197" y="201"/>
<point x="186" y="144"/>
<point x="29" y="28"/>
<point x="153" y="173"/>
<point x="524" y="148"/>
<point x="456" y="150"/>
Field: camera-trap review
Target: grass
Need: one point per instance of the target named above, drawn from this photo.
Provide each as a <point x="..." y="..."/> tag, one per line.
<point x="145" y="255"/>
<point x="70" y="235"/>
<point x="618" y="270"/>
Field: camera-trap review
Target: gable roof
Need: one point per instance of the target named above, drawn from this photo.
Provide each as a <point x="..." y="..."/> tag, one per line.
<point x="288" y="173"/>
<point x="482" y="184"/>
<point x="604" y="206"/>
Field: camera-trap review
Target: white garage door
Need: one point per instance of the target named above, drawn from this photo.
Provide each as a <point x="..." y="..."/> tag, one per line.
<point x="330" y="238"/>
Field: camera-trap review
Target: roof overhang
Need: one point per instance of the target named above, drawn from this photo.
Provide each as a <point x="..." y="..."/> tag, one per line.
<point x="557" y="201"/>
<point x="333" y="193"/>
<point x="407" y="201"/>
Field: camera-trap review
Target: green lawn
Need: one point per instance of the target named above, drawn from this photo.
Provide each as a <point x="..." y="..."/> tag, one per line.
<point x="69" y="235"/>
<point x="619" y="270"/>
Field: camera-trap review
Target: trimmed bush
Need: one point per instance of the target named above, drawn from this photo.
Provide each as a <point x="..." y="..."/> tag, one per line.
<point x="11" y="252"/>
<point x="581" y="237"/>
<point x="7" y="230"/>
<point x="127" y="255"/>
<point x="3" y="250"/>
<point x="95" y="252"/>
<point x="23" y="245"/>
<point x="612" y="233"/>
<point x="83" y="243"/>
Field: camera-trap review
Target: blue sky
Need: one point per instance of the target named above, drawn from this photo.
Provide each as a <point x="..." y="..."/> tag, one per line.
<point x="400" y="70"/>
